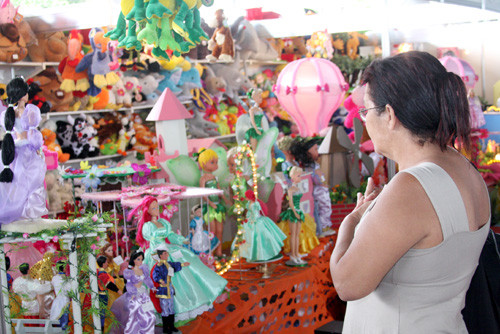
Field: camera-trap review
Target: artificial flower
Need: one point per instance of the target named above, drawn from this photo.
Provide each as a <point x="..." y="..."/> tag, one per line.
<point x="94" y="247"/>
<point x="141" y="173"/>
<point x="84" y="165"/>
<point x="26" y="235"/>
<point x="55" y="238"/>
<point x="92" y="180"/>
<point x="94" y="218"/>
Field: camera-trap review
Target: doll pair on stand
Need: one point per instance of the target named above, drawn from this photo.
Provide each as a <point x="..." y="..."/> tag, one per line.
<point x="196" y="286"/>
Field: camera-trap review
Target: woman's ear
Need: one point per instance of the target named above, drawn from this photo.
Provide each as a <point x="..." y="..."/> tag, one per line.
<point x="391" y="117"/>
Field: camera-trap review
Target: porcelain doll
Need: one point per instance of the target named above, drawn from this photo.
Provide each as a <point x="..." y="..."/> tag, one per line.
<point x="134" y="310"/>
<point x="22" y="167"/>
<point x="263" y="239"/>
<point x="294" y="215"/>
<point x="214" y="211"/>
<point x="105" y="282"/>
<point x="62" y="287"/>
<point x="197" y="286"/>
<point x="162" y="274"/>
<point x="306" y="153"/>
<point x="199" y="239"/>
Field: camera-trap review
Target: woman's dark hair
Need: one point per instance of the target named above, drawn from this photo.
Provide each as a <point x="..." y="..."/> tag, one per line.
<point x="7" y="263"/>
<point x="24" y="268"/>
<point x="101" y="260"/>
<point x="134" y="257"/>
<point x="428" y="100"/>
<point x="300" y="150"/>
<point x="16" y="89"/>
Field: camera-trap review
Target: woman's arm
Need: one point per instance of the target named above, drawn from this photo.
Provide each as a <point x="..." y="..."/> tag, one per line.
<point x="395" y="224"/>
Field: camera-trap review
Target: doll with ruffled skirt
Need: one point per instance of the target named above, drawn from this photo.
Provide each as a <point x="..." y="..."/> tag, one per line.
<point x="263" y="238"/>
<point x="22" y="167"/>
<point x="197" y="286"/>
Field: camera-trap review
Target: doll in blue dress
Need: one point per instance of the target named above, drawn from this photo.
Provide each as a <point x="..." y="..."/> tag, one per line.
<point x="199" y="239"/>
<point x="196" y="286"/>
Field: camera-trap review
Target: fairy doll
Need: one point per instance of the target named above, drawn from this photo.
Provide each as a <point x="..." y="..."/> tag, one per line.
<point x="294" y="215"/>
<point x="214" y="211"/>
<point x="255" y="133"/>
<point x="22" y="167"/>
<point x="196" y="286"/>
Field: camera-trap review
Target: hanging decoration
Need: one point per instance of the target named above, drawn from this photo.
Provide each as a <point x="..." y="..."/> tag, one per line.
<point x="310" y="90"/>
<point x="165" y="24"/>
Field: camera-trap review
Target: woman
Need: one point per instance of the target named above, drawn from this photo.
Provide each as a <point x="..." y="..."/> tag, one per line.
<point x="404" y="261"/>
<point x="134" y="310"/>
<point x="196" y="286"/>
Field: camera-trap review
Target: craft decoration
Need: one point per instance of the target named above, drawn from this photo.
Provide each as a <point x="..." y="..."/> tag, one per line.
<point x="310" y="90"/>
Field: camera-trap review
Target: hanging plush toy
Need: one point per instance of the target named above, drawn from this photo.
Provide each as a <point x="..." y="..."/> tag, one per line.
<point x="97" y="63"/>
<point x="165" y="24"/>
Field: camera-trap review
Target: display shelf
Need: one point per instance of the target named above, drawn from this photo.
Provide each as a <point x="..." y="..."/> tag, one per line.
<point x="99" y="157"/>
<point x="27" y="69"/>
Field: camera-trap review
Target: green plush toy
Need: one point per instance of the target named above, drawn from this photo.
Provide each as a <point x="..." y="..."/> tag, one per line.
<point x="165" y="24"/>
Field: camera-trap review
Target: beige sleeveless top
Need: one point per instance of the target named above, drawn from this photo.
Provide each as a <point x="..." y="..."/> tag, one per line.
<point x="425" y="290"/>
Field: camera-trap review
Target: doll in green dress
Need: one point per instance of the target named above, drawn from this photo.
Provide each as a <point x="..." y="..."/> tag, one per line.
<point x="255" y="133"/>
<point x="294" y="215"/>
<point x="196" y="286"/>
<point x="214" y="211"/>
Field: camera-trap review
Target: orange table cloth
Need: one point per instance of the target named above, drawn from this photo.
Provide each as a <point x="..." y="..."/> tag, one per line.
<point x="293" y="300"/>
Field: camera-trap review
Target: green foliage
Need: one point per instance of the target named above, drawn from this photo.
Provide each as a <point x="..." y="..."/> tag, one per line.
<point x="87" y="228"/>
<point x="348" y="66"/>
<point x="345" y="194"/>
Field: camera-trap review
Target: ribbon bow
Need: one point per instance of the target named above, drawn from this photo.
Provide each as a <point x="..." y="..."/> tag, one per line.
<point x="324" y="88"/>
<point x="292" y="90"/>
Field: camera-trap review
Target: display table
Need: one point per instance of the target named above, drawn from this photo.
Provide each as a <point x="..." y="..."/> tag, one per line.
<point x="293" y="300"/>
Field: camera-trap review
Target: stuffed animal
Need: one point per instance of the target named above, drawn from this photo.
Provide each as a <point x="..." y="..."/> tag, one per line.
<point x="170" y="80"/>
<point x="108" y="127"/>
<point x="214" y="85"/>
<point x="221" y="44"/>
<point x="35" y="98"/>
<point x="73" y="82"/>
<point x="51" y="47"/>
<point x="121" y="95"/>
<point x="198" y="127"/>
<point x="12" y="44"/>
<point x="149" y="85"/>
<point x="49" y="140"/>
<point x="53" y="191"/>
<point x="145" y="139"/>
<point x="126" y="136"/>
<point x="252" y="41"/>
<point x="236" y="81"/>
<point x="50" y="84"/>
<point x="189" y="80"/>
<point x="133" y="87"/>
<point x="294" y="48"/>
<point x="97" y="63"/>
<point x="75" y="136"/>
<point x="109" y="147"/>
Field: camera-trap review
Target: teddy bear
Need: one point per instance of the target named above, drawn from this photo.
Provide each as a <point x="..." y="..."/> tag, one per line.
<point x="145" y="139"/>
<point x="54" y="194"/>
<point x="12" y="44"/>
<point x="51" y="47"/>
<point x="221" y="44"/>
<point x="50" y="140"/>
<point x="34" y="97"/>
<point x="50" y="83"/>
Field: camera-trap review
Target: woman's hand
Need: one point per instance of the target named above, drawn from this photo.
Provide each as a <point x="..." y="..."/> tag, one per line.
<point x="365" y="199"/>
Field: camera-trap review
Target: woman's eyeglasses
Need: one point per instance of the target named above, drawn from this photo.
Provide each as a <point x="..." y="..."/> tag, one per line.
<point x="364" y="111"/>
